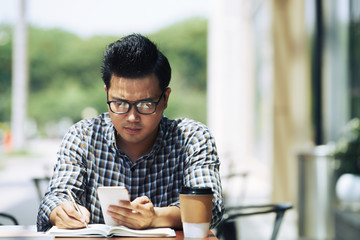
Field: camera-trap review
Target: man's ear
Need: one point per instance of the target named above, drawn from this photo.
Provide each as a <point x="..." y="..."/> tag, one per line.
<point x="167" y="94"/>
<point x="105" y="88"/>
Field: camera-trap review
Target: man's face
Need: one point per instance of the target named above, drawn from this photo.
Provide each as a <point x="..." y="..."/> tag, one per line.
<point x="133" y="128"/>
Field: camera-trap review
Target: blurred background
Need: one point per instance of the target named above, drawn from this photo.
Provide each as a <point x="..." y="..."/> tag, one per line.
<point x="276" y="81"/>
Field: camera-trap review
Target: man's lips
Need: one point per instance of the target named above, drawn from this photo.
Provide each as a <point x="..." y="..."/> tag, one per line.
<point x="132" y="130"/>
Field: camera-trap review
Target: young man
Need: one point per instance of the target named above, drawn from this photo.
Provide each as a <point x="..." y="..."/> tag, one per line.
<point x="133" y="145"/>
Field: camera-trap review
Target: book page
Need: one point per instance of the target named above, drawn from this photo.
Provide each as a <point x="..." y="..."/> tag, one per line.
<point x="106" y="231"/>
<point x="152" y="232"/>
<point x="93" y="229"/>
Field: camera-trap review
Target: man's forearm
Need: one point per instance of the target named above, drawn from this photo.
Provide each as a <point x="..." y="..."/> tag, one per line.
<point x="167" y="217"/>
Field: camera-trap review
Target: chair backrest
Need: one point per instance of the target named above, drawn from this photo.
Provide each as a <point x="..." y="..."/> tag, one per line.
<point x="41" y="185"/>
<point x="226" y="229"/>
<point x="7" y="219"/>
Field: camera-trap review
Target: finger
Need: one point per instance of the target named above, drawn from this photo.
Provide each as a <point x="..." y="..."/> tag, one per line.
<point x="140" y="200"/>
<point x="71" y="211"/>
<point x="143" y="212"/>
<point x="120" y="210"/>
<point x="63" y="220"/>
<point x="127" y="221"/>
<point x="124" y="204"/>
<point x="141" y="204"/>
<point x="123" y="216"/>
<point x="136" y="205"/>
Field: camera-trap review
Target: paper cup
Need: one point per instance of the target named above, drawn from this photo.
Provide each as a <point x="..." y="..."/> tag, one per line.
<point x="195" y="206"/>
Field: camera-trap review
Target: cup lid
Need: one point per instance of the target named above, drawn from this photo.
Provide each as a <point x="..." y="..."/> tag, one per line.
<point x="196" y="190"/>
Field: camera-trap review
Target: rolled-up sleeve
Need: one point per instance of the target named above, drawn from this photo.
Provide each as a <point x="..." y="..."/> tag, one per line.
<point x="68" y="173"/>
<point x="202" y="169"/>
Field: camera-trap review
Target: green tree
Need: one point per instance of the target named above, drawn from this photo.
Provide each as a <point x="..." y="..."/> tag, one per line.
<point x="5" y="72"/>
<point x="185" y="44"/>
<point x="65" y="72"/>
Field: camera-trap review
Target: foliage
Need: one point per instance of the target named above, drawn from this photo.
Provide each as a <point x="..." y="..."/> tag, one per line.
<point x="5" y="71"/>
<point x="347" y="149"/>
<point x="190" y="105"/>
<point x="65" y="78"/>
<point x="354" y="61"/>
<point x="185" y="44"/>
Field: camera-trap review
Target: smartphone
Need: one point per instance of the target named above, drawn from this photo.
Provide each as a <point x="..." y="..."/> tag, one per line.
<point x="111" y="196"/>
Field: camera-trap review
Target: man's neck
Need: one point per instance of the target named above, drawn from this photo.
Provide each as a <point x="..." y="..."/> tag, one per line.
<point x="135" y="150"/>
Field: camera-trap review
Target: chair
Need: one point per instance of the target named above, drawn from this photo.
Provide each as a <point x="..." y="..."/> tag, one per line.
<point x="226" y="229"/>
<point x="5" y="218"/>
<point x="41" y="185"/>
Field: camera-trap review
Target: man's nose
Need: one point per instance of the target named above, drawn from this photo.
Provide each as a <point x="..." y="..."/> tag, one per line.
<point x="133" y="115"/>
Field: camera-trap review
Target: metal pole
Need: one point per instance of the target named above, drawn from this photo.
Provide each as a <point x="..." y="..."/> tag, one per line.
<point x="317" y="86"/>
<point x="19" y="79"/>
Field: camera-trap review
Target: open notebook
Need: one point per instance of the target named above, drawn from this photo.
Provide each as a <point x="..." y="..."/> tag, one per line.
<point x="102" y="230"/>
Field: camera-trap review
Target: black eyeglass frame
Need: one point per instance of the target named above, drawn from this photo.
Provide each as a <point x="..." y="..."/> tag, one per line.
<point x="134" y="104"/>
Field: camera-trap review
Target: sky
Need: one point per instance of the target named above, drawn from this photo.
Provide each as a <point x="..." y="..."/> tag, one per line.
<point x="105" y="17"/>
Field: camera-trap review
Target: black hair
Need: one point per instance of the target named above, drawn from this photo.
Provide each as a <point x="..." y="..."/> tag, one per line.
<point x="135" y="56"/>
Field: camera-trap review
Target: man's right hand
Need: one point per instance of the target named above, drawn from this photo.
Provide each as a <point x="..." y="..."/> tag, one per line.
<point x="66" y="216"/>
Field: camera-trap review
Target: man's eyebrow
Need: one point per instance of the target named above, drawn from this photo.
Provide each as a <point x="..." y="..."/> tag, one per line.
<point x="140" y="100"/>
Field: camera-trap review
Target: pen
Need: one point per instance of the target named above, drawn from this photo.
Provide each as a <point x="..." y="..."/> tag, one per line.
<point x="75" y="204"/>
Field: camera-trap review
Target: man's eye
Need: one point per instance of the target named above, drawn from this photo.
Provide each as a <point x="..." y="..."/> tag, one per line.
<point x="120" y="104"/>
<point x="145" y="105"/>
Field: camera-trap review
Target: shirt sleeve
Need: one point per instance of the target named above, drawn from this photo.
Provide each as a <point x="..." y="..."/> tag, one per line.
<point x="69" y="173"/>
<point x="202" y="169"/>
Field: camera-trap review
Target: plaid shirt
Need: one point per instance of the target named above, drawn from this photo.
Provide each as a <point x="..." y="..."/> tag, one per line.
<point x="184" y="153"/>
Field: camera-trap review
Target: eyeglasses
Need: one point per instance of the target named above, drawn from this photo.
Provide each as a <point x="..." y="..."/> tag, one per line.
<point x="142" y="106"/>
